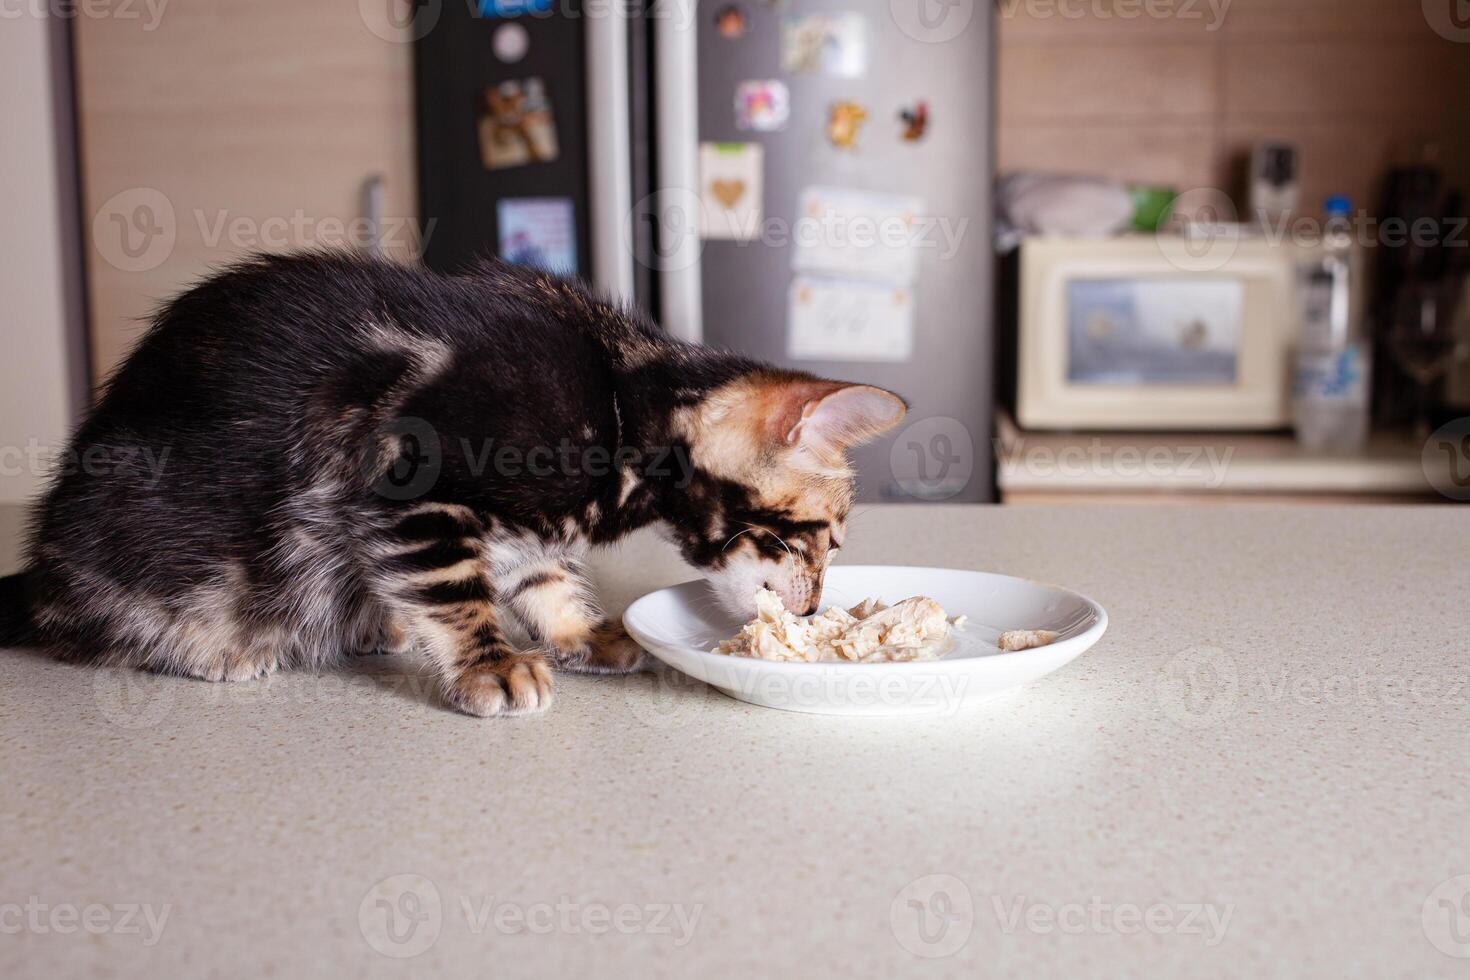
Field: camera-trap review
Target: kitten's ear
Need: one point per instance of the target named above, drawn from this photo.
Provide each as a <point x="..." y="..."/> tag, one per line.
<point x="836" y="417"/>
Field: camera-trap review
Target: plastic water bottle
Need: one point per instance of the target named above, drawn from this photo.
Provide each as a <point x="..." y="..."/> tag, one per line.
<point x="1332" y="362"/>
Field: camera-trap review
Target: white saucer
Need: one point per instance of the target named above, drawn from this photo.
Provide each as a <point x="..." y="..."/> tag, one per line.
<point x="682" y="624"/>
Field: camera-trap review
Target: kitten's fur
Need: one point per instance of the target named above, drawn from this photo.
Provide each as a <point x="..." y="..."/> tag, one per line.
<point x="312" y="455"/>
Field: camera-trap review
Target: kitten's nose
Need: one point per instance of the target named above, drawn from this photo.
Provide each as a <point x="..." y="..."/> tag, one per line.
<point x="811" y="607"/>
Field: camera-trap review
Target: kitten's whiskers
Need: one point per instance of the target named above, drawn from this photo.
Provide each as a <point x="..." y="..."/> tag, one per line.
<point x="779" y="540"/>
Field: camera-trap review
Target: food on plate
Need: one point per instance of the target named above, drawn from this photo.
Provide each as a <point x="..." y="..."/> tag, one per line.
<point x="1025" y="639"/>
<point x="869" y="632"/>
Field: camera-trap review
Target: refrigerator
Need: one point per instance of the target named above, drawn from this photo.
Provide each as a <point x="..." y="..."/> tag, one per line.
<point x="805" y="181"/>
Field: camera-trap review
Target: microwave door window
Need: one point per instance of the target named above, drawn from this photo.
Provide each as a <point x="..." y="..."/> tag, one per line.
<point x="1154" y="331"/>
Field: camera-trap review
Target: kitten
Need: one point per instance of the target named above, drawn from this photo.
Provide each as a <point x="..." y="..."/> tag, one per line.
<point x="313" y="455"/>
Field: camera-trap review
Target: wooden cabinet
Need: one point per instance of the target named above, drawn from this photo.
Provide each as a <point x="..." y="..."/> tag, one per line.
<point x="222" y="127"/>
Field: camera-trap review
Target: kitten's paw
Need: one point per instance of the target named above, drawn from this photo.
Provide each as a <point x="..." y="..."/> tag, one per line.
<point x="611" y="651"/>
<point x="518" y="684"/>
<point x="238" y="667"/>
<point x="391" y="639"/>
<point x="394" y="639"/>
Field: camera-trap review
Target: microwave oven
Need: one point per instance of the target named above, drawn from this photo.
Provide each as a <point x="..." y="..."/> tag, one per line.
<point x="1155" y="332"/>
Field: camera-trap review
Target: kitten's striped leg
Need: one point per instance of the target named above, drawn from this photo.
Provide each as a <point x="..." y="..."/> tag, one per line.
<point x="552" y="597"/>
<point x="439" y="589"/>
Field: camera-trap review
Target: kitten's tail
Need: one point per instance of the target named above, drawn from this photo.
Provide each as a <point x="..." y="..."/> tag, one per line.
<point x="17" y="624"/>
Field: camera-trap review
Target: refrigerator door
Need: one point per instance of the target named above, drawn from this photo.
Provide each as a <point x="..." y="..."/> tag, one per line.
<point x="938" y="354"/>
<point x="462" y="74"/>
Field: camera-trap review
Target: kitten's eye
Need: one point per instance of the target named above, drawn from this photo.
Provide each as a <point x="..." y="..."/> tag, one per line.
<point x="834" y="539"/>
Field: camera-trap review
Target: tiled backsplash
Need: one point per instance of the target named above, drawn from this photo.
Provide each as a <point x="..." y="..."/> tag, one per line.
<point x="1176" y="92"/>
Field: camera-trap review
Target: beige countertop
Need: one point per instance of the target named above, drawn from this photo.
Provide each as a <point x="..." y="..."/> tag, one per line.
<point x="1260" y="770"/>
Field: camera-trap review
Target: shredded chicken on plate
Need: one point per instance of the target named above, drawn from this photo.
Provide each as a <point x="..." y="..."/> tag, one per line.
<point x="914" y="629"/>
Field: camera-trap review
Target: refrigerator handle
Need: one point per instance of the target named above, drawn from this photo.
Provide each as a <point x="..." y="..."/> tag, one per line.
<point x="676" y="110"/>
<point x="610" y="176"/>
<point x="372" y="212"/>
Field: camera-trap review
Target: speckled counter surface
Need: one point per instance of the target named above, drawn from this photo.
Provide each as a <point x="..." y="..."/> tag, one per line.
<point x="1260" y="770"/>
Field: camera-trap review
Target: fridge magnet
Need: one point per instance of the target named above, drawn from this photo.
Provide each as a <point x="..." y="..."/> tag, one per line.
<point x="510" y="42"/>
<point x="762" y="105"/>
<point x="860" y="234"/>
<point x="844" y="119"/>
<point x="834" y="44"/>
<point x="849" y="320"/>
<point x="915" y="121"/>
<point x="730" y="22"/>
<point x="730" y="194"/>
<point x="513" y="8"/>
<point x="538" y="231"/>
<point x="517" y="126"/>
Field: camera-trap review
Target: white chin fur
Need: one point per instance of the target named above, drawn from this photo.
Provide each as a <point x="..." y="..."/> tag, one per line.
<point x="736" y="584"/>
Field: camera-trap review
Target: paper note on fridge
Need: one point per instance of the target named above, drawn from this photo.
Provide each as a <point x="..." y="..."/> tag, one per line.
<point x="845" y="232"/>
<point x="849" y="320"/>
<point x="730" y="190"/>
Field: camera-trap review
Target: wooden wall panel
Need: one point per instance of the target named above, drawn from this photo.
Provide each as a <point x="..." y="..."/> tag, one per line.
<point x="1181" y="99"/>
<point x="233" y="126"/>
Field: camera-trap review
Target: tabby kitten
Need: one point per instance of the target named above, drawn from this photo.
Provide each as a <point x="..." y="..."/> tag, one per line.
<point x="313" y="455"/>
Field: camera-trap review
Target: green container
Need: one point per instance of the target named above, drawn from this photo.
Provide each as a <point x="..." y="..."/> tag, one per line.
<point x="1152" y="206"/>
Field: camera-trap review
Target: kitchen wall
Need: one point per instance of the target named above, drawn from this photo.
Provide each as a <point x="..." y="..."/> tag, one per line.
<point x="41" y="346"/>
<point x="1175" y="92"/>
<point x="235" y="126"/>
